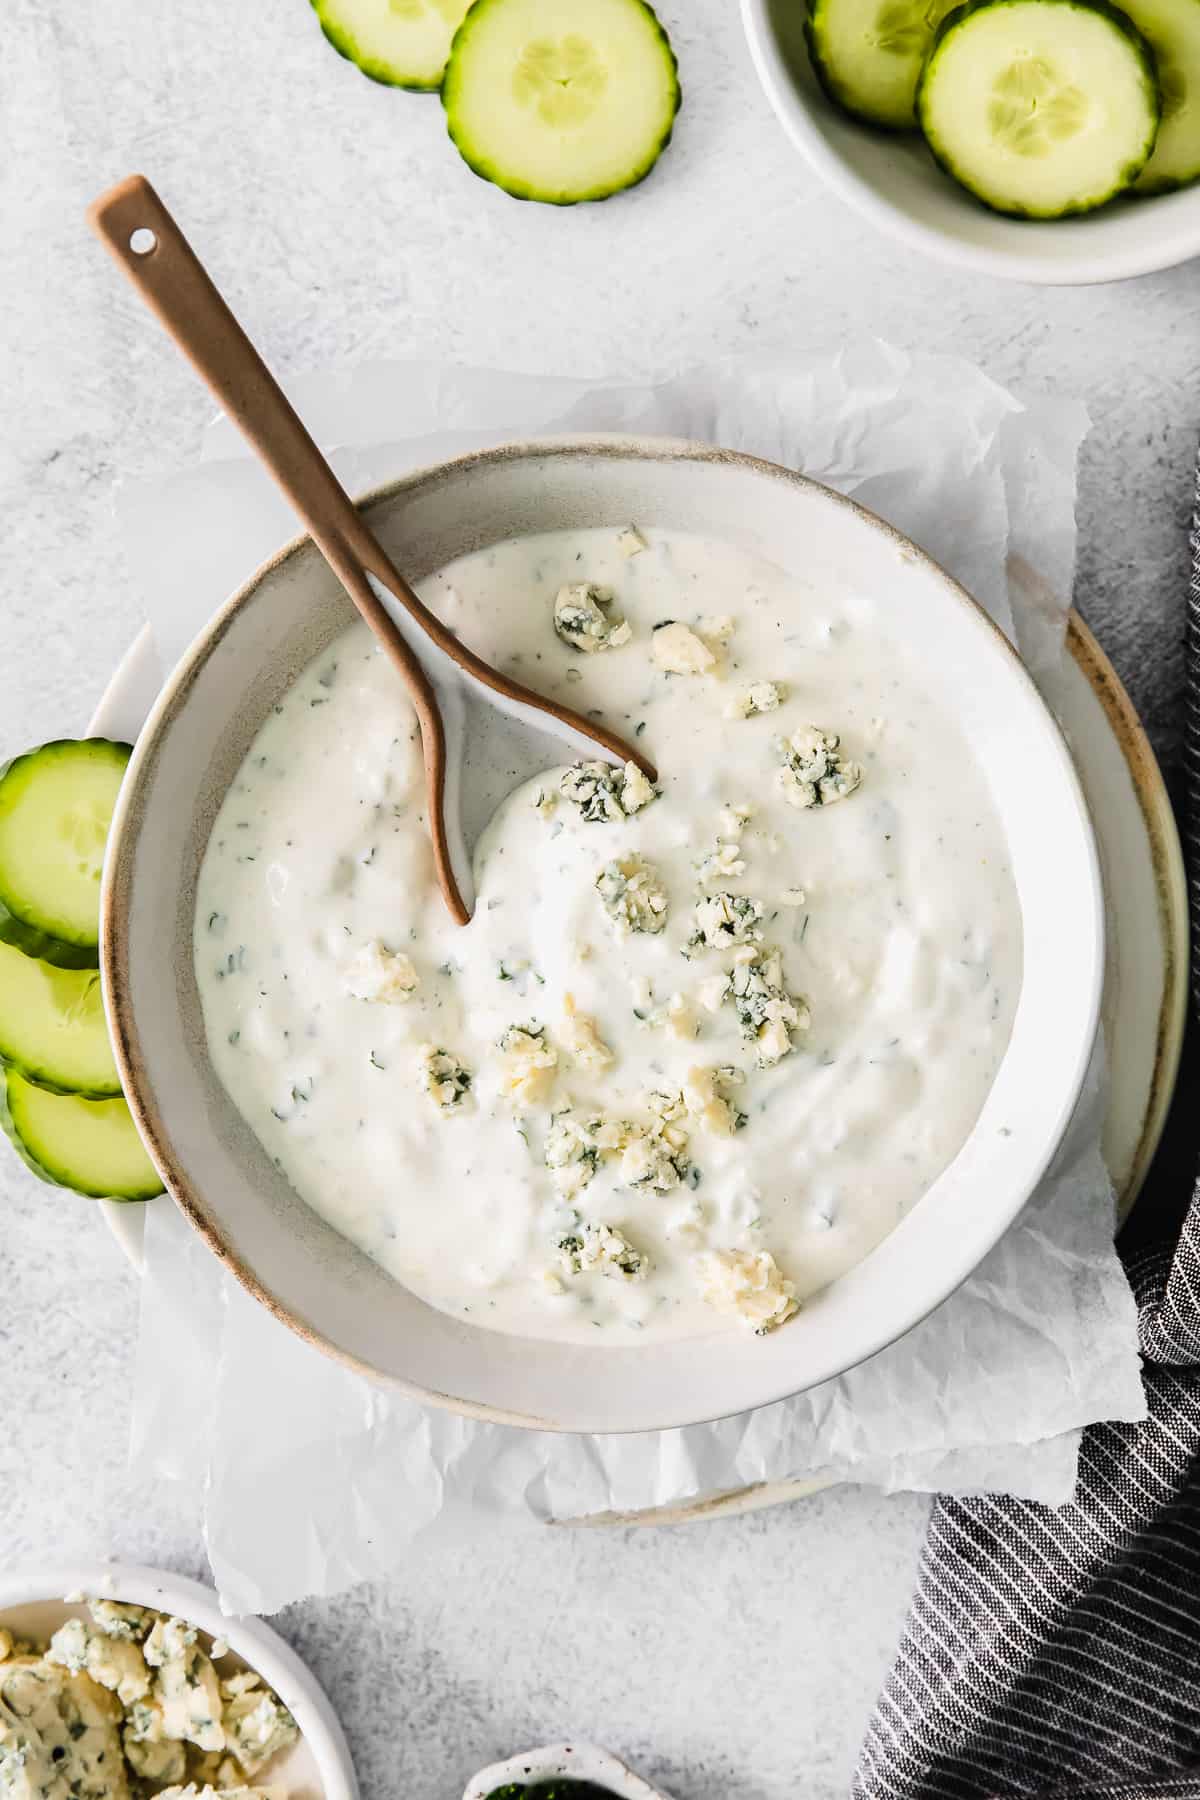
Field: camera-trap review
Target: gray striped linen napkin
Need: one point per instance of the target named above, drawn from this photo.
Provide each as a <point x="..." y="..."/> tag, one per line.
<point x="1056" y="1651"/>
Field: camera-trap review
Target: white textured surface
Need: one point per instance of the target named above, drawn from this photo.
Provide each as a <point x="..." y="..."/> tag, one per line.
<point x="732" y="1658"/>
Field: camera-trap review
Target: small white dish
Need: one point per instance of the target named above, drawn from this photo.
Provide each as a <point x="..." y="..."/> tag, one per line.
<point x="573" y="1762"/>
<point x="890" y="178"/>
<point x="318" y="1767"/>
<point x="315" y="1280"/>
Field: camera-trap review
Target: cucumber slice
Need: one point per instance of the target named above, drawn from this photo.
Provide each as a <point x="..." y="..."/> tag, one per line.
<point x="91" y="1146"/>
<point x="52" y="1027"/>
<point x="401" y="43"/>
<point x="561" y="100"/>
<point x="1039" y="108"/>
<point x="1172" y="30"/>
<point x="56" y="805"/>
<point x="867" y="55"/>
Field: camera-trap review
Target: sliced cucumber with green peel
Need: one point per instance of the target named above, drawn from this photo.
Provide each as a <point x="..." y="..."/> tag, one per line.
<point x="1172" y="30"/>
<point x="1040" y="108"/>
<point x="561" y="100"/>
<point x="56" y="806"/>
<point x="402" y="43"/>
<point x="91" y="1146"/>
<point x="868" y="54"/>
<point x="52" y="1027"/>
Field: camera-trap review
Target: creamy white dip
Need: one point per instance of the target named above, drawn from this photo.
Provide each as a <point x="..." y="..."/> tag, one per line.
<point x="331" y="974"/>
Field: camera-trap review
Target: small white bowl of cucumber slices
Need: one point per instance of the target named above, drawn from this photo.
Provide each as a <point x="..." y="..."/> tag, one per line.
<point x="1050" y="141"/>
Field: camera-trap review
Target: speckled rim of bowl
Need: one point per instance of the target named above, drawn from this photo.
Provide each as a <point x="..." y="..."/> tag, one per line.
<point x="574" y="1762"/>
<point x="259" y="1646"/>
<point x="116" y="887"/>
<point x="1162" y="250"/>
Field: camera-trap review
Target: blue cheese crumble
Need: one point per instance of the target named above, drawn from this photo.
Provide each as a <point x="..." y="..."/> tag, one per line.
<point x="633" y="895"/>
<point x="678" y="1017"/>
<point x="734" y="819"/>
<point x="118" y="1620"/>
<point x="581" y="1037"/>
<point x="115" y="1664"/>
<point x="814" y="772"/>
<point x="678" y="650"/>
<point x="58" y="1735"/>
<point x="150" y="1753"/>
<point x="759" y="697"/>
<point x="654" y="1154"/>
<point x="600" y="1250"/>
<point x="768" y="1014"/>
<point x="530" y="1064"/>
<point x="185" y="1685"/>
<point x="381" y="975"/>
<point x="583" y="618"/>
<point x="705" y="1096"/>
<point x="724" y="921"/>
<point x="747" y="1285"/>
<point x="256" y="1727"/>
<point x="605" y="793"/>
<point x="649" y="1153"/>
<point x="571" y="1153"/>
<point x="444" y="1078"/>
<point x="725" y="863"/>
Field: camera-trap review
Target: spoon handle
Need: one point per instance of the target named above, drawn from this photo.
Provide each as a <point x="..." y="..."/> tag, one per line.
<point x="140" y="232"/>
<point x="146" y="241"/>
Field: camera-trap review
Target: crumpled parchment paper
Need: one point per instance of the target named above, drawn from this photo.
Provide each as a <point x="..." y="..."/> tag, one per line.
<point x="332" y="1480"/>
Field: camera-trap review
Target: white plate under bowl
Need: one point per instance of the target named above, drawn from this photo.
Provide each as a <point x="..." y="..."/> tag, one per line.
<point x="316" y="1767"/>
<point x="314" y="1279"/>
<point x="574" y="1762"/>
<point x="891" y="179"/>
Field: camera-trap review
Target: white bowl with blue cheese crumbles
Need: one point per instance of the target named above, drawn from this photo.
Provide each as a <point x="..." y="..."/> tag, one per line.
<point x="119" y="1682"/>
<point x="737" y="1074"/>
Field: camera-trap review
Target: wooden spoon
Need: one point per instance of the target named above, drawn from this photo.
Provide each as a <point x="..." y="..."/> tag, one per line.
<point x="438" y="670"/>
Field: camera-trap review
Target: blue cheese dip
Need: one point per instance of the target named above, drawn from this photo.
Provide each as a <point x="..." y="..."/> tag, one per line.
<point x="702" y="1046"/>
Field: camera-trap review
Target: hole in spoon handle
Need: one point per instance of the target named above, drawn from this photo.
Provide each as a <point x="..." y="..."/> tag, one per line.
<point x="133" y="222"/>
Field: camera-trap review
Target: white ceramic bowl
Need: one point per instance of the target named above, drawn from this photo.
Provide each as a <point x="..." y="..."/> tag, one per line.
<point x="575" y="1762"/>
<point x="313" y="1278"/>
<point x="892" y="180"/>
<point x="318" y="1765"/>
